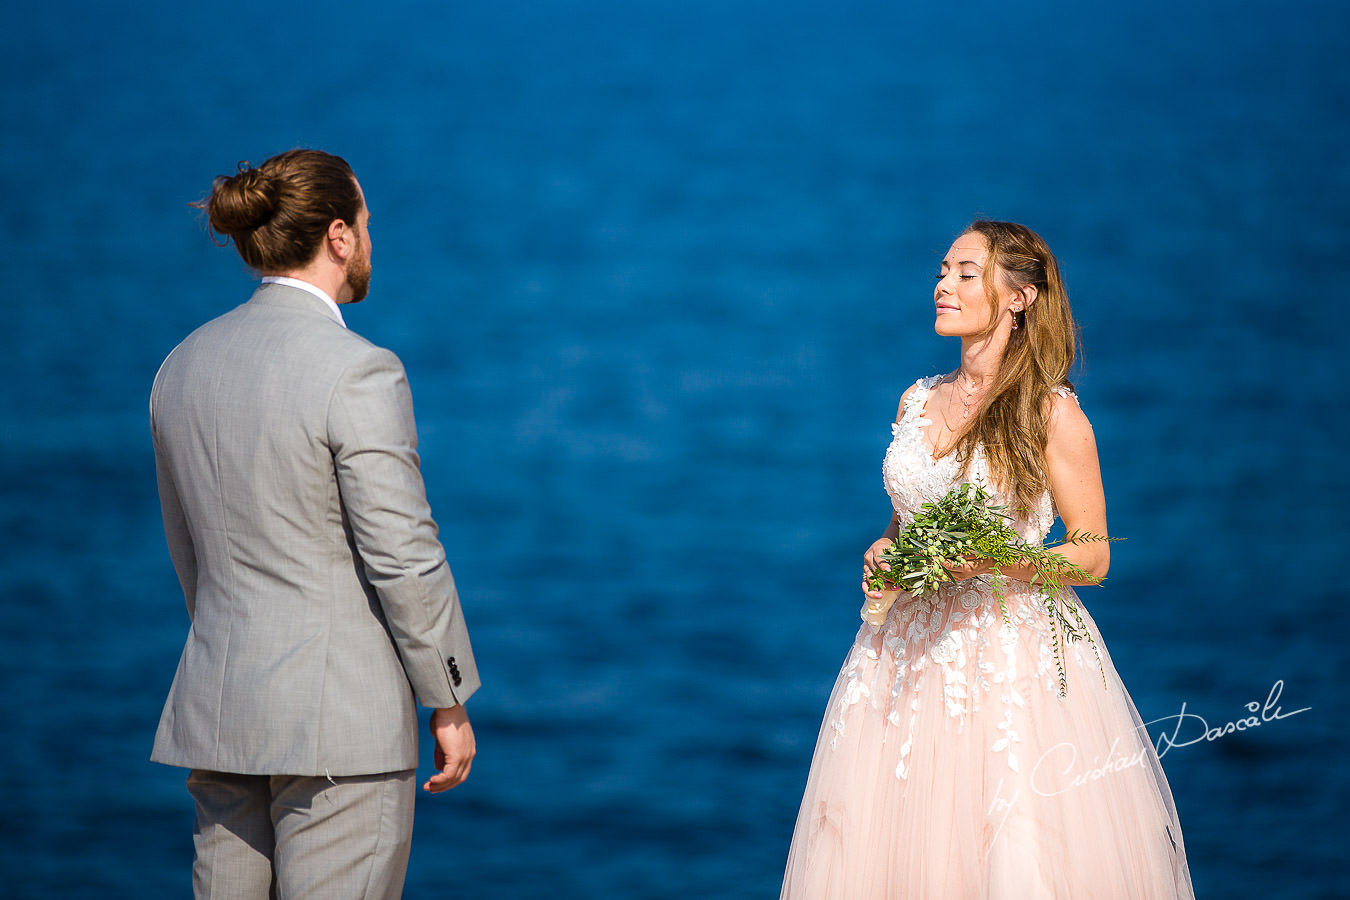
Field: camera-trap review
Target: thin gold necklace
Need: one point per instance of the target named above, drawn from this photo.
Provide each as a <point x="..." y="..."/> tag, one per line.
<point x="967" y="396"/>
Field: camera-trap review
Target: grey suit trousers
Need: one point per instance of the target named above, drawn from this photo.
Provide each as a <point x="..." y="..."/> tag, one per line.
<point x="301" y="837"/>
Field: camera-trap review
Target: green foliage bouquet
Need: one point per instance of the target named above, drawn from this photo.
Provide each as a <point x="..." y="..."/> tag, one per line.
<point x="966" y="524"/>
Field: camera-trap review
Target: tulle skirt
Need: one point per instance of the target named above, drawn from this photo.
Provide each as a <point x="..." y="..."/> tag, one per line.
<point x="948" y="767"/>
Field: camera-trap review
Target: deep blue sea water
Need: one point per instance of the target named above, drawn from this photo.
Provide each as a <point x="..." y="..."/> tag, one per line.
<point x="659" y="273"/>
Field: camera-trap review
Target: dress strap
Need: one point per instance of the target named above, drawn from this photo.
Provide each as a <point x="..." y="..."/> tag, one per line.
<point x="1064" y="390"/>
<point x="919" y="395"/>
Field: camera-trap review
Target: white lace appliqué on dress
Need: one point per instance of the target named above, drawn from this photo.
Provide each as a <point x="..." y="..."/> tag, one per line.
<point x="956" y="635"/>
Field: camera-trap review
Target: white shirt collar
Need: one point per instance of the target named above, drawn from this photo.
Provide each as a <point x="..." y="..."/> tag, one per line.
<point x="306" y="286"/>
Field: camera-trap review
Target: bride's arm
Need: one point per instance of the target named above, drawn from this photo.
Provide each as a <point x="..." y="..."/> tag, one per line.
<point x="892" y="531"/>
<point x="1075" y="480"/>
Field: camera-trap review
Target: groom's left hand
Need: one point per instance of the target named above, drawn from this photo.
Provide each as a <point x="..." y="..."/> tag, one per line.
<point x="455" y="748"/>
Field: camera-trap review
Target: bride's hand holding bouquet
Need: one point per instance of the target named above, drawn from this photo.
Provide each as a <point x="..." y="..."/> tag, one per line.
<point x="962" y="536"/>
<point x="879" y="600"/>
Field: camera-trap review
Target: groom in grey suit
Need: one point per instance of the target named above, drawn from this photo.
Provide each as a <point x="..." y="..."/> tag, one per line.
<point x="321" y="605"/>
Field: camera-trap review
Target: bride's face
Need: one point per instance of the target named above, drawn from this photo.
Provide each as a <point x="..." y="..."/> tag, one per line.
<point x="960" y="296"/>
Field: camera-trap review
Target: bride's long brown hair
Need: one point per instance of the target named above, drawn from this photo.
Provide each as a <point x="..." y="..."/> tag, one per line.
<point x="1013" y="422"/>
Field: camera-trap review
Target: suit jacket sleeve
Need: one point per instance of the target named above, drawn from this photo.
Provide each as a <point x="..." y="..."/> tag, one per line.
<point x="181" y="551"/>
<point x="373" y="438"/>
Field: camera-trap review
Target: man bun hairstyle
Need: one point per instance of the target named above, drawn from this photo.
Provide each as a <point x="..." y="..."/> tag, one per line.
<point x="278" y="213"/>
<point x="242" y="203"/>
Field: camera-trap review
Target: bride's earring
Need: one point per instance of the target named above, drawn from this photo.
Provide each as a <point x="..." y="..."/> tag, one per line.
<point x="1014" y="318"/>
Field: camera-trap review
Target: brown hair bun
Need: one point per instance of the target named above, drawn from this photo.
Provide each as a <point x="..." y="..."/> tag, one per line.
<point x="243" y="202"/>
<point x="279" y="212"/>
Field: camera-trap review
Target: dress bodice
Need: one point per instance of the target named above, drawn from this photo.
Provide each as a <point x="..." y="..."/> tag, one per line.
<point x="913" y="477"/>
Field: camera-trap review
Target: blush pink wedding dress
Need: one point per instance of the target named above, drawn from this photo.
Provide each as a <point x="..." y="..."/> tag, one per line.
<point x="948" y="767"/>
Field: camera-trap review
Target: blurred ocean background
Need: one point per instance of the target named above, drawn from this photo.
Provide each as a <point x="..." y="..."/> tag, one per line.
<point x="659" y="273"/>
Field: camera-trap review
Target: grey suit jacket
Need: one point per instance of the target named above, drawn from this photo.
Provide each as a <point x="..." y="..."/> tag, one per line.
<point x="319" y="595"/>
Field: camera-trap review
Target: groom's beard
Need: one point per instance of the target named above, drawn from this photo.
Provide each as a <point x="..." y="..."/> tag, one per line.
<point x="358" y="277"/>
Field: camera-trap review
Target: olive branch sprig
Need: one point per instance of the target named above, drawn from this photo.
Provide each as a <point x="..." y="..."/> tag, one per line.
<point x="966" y="523"/>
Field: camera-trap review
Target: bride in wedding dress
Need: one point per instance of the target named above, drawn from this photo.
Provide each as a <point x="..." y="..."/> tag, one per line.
<point x="949" y="764"/>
